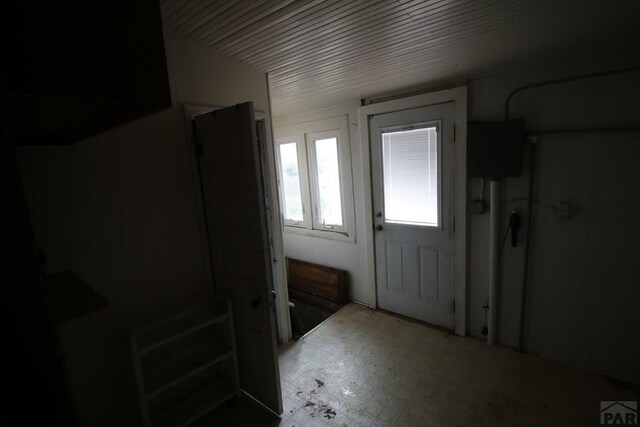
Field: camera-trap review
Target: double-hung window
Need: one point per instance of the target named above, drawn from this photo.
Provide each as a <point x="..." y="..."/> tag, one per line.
<point x="314" y="178"/>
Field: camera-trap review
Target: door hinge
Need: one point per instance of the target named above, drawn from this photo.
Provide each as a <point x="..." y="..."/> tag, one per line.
<point x="454" y="133"/>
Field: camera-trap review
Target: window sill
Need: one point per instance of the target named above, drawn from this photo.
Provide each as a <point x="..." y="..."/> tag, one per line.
<point x="340" y="236"/>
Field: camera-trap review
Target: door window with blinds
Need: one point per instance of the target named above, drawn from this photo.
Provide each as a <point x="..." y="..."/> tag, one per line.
<point x="314" y="178"/>
<point x="410" y="166"/>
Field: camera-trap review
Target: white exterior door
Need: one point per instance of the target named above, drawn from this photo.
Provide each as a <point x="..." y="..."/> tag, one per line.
<point x="412" y="172"/>
<point x="236" y="220"/>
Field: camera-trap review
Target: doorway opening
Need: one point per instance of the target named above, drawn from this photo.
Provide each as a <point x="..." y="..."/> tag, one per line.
<point x="316" y="292"/>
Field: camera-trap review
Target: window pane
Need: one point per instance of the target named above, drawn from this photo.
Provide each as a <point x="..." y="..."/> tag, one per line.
<point x="291" y="182"/>
<point x="410" y="165"/>
<point x="329" y="205"/>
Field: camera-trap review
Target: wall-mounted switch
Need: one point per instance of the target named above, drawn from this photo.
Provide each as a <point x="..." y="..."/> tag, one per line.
<point x="477" y="207"/>
<point x="564" y="210"/>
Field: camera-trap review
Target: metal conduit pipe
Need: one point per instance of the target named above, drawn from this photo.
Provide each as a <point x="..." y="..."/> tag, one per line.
<point x="563" y="80"/>
<point x="492" y="322"/>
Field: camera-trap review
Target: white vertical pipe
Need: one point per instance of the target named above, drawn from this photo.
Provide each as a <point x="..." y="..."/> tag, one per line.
<point x="493" y="261"/>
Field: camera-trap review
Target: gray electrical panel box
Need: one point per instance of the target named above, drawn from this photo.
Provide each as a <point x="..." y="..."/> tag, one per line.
<point x="495" y="149"/>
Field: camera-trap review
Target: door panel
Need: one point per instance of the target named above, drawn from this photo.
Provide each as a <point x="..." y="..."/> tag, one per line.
<point x="395" y="263"/>
<point x="429" y="272"/>
<point x="236" y="222"/>
<point x="412" y="173"/>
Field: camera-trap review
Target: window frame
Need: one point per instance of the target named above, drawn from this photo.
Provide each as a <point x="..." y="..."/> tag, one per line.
<point x="302" y="175"/>
<point x="314" y="182"/>
<point x="422" y="125"/>
<point x="304" y="134"/>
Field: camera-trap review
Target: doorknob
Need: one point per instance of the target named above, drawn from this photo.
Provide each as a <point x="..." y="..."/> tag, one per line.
<point x="378" y="227"/>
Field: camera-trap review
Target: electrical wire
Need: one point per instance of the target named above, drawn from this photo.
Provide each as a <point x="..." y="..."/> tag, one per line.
<point x="485" y="330"/>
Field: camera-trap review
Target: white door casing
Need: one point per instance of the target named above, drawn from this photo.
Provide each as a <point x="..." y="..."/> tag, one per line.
<point x="239" y="247"/>
<point x="458" y="95"/>
<point x="412" y="157"/>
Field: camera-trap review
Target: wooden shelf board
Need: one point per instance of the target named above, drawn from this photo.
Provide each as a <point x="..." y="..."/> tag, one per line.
<point x="196" y="406"/>
<point x="220" y="355"/>
<point x="154" y="336"/>
<point x="151" y="347"/>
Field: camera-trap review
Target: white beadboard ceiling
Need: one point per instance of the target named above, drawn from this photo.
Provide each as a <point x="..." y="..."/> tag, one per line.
<point x="327" y="52"/>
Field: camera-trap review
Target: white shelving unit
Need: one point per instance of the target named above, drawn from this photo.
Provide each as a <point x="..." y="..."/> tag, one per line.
<point x="186" y="365"/>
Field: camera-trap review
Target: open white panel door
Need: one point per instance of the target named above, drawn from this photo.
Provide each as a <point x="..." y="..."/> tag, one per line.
<point x="236" y="226"/>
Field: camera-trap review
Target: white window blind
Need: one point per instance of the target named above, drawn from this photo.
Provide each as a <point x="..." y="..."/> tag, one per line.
<point x="410" y="167"/>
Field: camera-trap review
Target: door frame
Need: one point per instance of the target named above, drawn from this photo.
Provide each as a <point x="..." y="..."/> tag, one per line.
<point x="283" y="320"/>
<point x="458" y="96"/>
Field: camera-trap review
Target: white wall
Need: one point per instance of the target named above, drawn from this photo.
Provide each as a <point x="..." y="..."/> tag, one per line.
<point x="119" y="209"/>
<point x="583" y="297"/>
<point x="583" y="292"/>
<point x="344" y="255"/>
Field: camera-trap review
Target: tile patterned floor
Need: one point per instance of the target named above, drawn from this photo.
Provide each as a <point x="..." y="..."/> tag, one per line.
<point x="366" y="368"/>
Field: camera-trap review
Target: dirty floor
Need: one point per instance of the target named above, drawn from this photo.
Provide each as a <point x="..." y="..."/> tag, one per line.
<point x="366" y="368"/>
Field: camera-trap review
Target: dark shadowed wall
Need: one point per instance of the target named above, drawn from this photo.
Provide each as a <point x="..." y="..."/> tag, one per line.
<point x="120" y="210"/>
